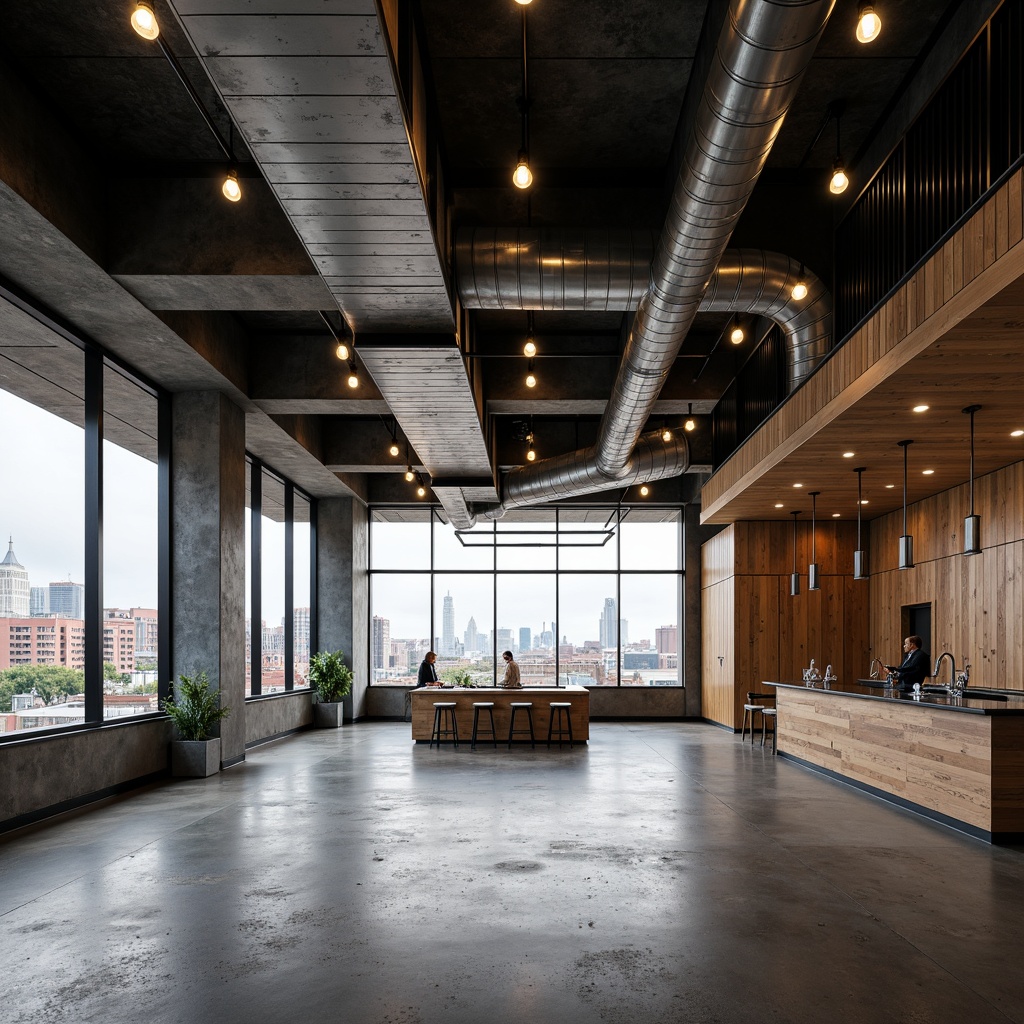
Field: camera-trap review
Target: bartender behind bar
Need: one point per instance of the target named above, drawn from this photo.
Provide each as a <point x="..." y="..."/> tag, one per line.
<point x="914" y="667"/>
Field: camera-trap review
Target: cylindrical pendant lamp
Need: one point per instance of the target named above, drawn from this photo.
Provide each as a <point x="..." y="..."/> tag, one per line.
<point x="813" y="570"/>
<point x="972" y="523"/>
<point x="794" y="578"/>
<point x="860" y="556"/>
<point x="906" y="541"/>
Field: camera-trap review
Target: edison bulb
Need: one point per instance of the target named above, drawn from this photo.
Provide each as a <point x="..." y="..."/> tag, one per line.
<point x="840" y="182"/>
<point x="644" y="491"/>
<point x="869" y="25"/>
<point x="522" y="176"/>
<point x="529" y="349"/>
<point x="231" y="189"/>
<point x="409" y="475"/>
<point x="531" y="381"/>
<point x="799" y="290"/>
<point x="353" y="380"/>
<point x="421" y="491"/>
<point x="531" y="456"/>
<point x="393" y="450"/>
<point x="144" y="21"/>
<point x="666" y="434"/>
<point x="342" y="351"/>
<point x="737" y="336"/>
<point x="689" y="425"/>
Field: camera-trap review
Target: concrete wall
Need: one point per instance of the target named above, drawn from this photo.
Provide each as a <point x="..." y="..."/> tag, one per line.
<point x="208" y="552"/>
<point x="270" y="716"/>
<point x="343" y="590"/>
<point x="48" y="774"/>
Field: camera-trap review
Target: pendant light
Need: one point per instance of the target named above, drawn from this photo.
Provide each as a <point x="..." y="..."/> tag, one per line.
<point x="840" y="181"/>
<point x="522" y="176"/>
<point x="860" y="556"/>
<point x="794" y="578"/>
<point x="906" y="541"/>
<point x="799" y="292"/>
<point x="972" y="523"/>
<point x="689" y="424"/>
<point x="813" y="570"/>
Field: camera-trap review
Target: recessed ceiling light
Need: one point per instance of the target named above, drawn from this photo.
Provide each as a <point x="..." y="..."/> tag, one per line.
<point x="1016" y="433"/>
<point x="889" y="487"/>
<point x="920" y="408"/>
<point x="927" y="472"/>
<point x="848" y="455"/>
<point x="779" y="504"/>
<point x="798" y="485"/>
<point x="836" y="515"/>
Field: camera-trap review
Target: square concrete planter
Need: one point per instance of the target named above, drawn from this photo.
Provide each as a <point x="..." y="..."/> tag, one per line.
<point x="195" y="759"/>
<point x="328" y="716"/>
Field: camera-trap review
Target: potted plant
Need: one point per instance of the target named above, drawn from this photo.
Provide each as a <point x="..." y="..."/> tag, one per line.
<point x="194" y="710"/>
<point x="459" y="677"/>
<point x="332" y="680"/>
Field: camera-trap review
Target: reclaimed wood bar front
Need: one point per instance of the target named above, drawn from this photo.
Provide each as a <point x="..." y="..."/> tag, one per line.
<point x="423" y="700"/>
<point x="959" y="760"/>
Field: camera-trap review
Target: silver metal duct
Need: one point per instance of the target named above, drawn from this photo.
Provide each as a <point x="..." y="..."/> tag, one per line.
<point x="761" y="55"/>
<point x="577" y="472"/>
<point x="556" y="269"/>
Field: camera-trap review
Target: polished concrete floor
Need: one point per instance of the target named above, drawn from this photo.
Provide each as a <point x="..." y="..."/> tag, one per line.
<point x="666" y="873"/>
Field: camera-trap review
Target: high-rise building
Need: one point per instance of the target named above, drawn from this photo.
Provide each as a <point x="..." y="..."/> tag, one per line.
<point x="547" y="636"/>
<point x="504" y="639"/>
<point x="665" y="639"/>
<point x="448" y="641"/>
<point x="381" y="642"/>
<point x="67" y="599"/>
<point x="471" y="636"/>
<point x="39" y="601"/>
<point x="524" y="638"/>
<point x="49" y="641"/>
<point x="119" y="639"/>
<point x="301" y="640"/>
<point x="608" y="630"/>
<point x="14" y="586"/>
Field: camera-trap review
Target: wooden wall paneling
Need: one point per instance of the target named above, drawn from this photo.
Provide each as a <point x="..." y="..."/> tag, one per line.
<point x="856" y="632"/>
<point x="757" y="636"/>
<point x="717" y="557"/>
<point x="718" y="657"/>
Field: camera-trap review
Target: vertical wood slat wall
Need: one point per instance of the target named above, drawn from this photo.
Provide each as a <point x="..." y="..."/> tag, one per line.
<point x="977" y="600"/>
<point x="753" y="630"/>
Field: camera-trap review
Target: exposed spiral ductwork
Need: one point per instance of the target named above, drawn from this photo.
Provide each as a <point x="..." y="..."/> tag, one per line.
<point x="760" y="57"/>
<point x="555" y="269"/>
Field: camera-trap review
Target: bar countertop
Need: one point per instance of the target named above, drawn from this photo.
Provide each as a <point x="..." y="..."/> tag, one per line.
<point x="970" y="703"/>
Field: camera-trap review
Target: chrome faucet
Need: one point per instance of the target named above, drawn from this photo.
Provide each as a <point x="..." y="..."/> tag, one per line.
<point x="952" y="668"/>
<point x="873" y="672"/>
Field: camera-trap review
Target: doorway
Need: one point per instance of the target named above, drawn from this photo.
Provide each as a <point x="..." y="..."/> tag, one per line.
<point x="916" y="620"/>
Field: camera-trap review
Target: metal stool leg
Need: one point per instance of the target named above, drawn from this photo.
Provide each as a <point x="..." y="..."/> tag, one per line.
<point x="436" y="734"/>
<point x="494" y="734"/>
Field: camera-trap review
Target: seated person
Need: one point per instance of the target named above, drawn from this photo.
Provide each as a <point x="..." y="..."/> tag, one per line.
<point x="914" y="667"/>
<point x="510" y="680"/>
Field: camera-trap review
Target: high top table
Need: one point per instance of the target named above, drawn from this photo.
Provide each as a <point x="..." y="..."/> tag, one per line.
<point x="541" y="697"/>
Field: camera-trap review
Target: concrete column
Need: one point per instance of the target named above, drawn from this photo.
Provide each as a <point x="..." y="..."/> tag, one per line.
<point x="343" y="590"/>
<point x="208" y="556"/>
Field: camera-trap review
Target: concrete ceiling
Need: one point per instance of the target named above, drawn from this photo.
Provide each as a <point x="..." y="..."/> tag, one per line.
<point x="109" y="182"/>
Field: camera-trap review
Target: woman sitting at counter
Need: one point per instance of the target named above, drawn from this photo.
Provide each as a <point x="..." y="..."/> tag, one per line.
<point x="914" y="668"/>
<point x="510" y="680"/>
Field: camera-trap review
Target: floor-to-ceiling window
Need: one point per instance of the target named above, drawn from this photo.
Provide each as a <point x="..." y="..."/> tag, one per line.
<point x="83" y="567"/>
<point x="581" y="594"/>
<point x="279" y="581"/>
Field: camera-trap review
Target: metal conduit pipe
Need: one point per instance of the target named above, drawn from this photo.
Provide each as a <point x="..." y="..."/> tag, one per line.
<point x="555" y="269"/>
<point x="760" y="58"/>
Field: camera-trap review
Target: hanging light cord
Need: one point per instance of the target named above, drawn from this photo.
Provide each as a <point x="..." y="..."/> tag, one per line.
<point x="972" y="409"/>
<point x="794" y="514"/>
<point x="814" y="506"/>
<point x="524" y="98"/>
<point x="859" y="502"/>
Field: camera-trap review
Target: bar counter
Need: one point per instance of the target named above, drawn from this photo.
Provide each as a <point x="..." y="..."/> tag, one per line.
<point x="957" y="760"/>
<point x="423" y="700"/>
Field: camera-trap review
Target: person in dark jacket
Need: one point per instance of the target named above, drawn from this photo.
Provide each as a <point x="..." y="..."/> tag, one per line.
<point x="914" y="667"/>
<point x="428" y="674"/>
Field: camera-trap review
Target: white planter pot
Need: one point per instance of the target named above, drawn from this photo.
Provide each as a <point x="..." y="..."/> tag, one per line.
<point x="195" y="759"/>
<point x="328" y="716"/>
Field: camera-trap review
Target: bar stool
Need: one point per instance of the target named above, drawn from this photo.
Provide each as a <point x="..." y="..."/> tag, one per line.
<point x="478" y="706"/>
<point x="521" y="705"/>
<point x="444" y="713"/>
<point x="773" y="714"/>
<point x="564" y="712"/>
<point x="751" y="708"/>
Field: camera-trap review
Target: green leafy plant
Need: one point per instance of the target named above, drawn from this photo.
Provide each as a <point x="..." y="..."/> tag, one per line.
<point x="458" y="677"/>
<point x="193" y="708"/>
<point x="330" y="676"/>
